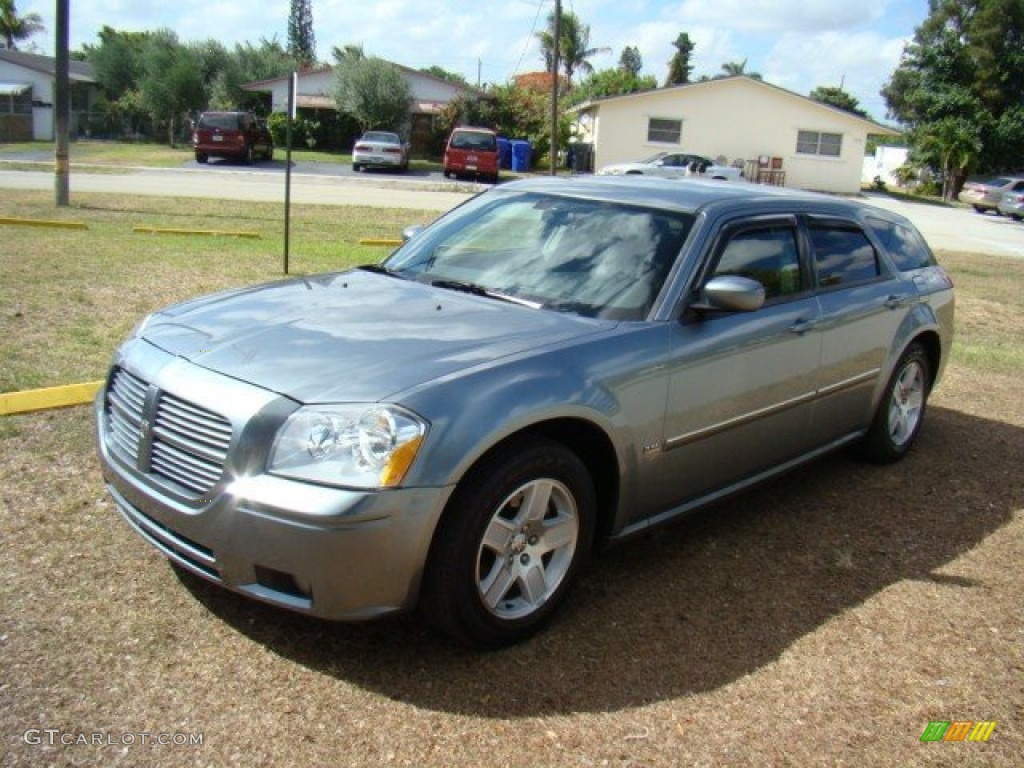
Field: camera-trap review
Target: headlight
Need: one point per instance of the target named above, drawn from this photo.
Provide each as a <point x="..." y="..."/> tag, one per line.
<point x="360" y="446"/>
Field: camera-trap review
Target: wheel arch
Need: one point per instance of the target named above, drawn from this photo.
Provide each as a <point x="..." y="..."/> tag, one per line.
<point x="594" y="448"/>
<point x="932" y="345"/>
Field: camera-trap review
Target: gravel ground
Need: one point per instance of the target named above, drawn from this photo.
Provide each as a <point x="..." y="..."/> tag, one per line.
<point x="823" y="619"/>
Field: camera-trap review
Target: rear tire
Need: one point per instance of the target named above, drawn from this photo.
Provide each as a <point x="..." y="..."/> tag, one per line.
<point x="510" y="544"/>
<point x="901" y="411"/>
<point x="202" y="158"/>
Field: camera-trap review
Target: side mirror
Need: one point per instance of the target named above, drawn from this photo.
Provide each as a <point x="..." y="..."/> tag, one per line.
<point x="411" y="231"/>
<point x="732" y="293"/>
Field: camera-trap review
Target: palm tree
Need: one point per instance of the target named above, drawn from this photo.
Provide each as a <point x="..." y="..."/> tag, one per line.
<point x="14" y="27"/>
<point x="734" y="68"/>
<point x="575" y="46"/>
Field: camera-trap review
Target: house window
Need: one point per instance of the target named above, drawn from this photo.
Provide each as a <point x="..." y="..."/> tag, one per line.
<point x="817" y="143"/>
<point x="15" y="99"/>
<point x="661" y="130"/>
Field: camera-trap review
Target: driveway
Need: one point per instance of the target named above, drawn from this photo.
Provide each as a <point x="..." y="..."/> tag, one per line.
<point x="958" y="229"/>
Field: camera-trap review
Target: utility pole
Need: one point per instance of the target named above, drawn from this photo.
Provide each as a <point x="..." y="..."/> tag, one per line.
<point x="62" y="106"/>
<point x="557" y="34"/>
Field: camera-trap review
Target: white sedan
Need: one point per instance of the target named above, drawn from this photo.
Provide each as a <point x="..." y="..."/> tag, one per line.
<point x="380" y="149"/>
<point x="674" y="165"/>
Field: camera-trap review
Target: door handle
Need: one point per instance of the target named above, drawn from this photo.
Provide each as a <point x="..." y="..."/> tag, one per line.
<point x="800" y="327"/>
<point x="895" y="302"/>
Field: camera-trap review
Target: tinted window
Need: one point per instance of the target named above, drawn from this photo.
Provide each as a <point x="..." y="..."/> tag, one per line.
<point x="906" y="247"/>
<point x="768" y="255"/>
<point x="227" y="122"/>
<point x="483" y="142"/>
<point x="842" y="256"/>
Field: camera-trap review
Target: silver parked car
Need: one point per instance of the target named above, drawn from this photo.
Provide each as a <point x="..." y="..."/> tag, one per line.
<point x="674" y="165"/>
<point x="1012" y="202"/>
<point x="555" y="364"/>
<point x="987" y="194"/>
<point x="380" y="149"/>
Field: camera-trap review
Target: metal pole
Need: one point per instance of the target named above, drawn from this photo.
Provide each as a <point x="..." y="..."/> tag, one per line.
<point x="292" y="87"/>
<point x="62" y="106"/>
<point x="557" y="33"/>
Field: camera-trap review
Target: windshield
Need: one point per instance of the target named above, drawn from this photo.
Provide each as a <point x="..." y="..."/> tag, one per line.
<point x="587" y="257"/>
<point x="654" y="158"/>
<point x="383" y="138"/>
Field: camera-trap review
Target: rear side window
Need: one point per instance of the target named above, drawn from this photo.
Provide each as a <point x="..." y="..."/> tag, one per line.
<point x="904" y="244"/>
<point x="842" y="255"/>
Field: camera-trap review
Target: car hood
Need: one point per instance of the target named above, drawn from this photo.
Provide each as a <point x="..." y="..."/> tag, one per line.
<point x="355" y="336"/>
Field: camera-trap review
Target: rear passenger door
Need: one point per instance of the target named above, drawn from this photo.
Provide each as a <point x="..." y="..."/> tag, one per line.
<point x="862" y="304"/>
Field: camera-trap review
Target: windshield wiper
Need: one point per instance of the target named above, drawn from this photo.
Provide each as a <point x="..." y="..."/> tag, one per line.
<point x="378" y="269"/>
<point x="479" y="290"/>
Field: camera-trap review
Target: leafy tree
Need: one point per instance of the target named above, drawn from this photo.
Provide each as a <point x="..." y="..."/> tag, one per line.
<point x="955" y="143"/>
<point x="301" y="40"/>
<point x="14" y="27"/>
<point x="373" y="91"/>
<point x="246" y="64"/>
<point x="630" y="61"/>
<point x="172" y="81"/>
<point x="610" y="82"/>
<point x="838" y="98"/>
<point x="574" y="47"/>
<point x="117" y="60"/>
<point x="959" y="88"/>
<point x="679" y="67"/>
<point x="444" y="74"/>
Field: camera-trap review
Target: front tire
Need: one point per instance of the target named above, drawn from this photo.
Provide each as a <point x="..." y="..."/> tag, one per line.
<point x="901" y="412"/>
<point x="511" y="542"/>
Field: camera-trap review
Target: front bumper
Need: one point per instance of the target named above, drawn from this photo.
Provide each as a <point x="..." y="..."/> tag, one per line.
<point x="328" y="552"/>
<point x="381" y="160"/>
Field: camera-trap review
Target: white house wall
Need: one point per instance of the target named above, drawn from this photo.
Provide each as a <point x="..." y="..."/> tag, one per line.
<point x="42" y="92"/>
<point x="735" y="119"/>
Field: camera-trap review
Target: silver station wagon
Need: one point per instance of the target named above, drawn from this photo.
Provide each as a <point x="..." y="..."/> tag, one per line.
<point x="552" y="365"/>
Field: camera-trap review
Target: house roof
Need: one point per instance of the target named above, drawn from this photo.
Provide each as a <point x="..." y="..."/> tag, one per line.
<point x="79" y="71"/>
<point x="872" y="126"/>
<point x="266" y="85"/>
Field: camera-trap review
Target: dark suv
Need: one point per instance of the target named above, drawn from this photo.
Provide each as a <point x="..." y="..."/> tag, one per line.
<point x="240" y="135"/>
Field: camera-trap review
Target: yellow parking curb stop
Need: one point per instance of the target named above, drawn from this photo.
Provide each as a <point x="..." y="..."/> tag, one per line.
<point x="51" y="397"/>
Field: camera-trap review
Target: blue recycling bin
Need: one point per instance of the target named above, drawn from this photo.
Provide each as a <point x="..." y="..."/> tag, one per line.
<point x="504" y="153"/>
<point x="520" y="155"/>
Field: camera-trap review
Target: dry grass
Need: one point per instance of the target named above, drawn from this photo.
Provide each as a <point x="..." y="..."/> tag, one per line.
<point x="823" y="619"/>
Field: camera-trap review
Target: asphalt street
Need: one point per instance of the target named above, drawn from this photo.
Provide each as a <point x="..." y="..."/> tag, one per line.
<point x="945" y="228"/>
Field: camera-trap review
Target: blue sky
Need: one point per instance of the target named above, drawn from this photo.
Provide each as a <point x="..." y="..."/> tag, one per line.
<point x="796" y="44"/>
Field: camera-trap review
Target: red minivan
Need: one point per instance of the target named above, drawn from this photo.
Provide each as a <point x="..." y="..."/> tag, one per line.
<point x="239" y="135"/>
<point x="472" y="152"/>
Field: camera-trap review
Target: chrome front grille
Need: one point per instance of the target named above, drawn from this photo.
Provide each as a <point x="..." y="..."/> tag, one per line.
<point x="126" y="402"/>
<point x="189" y="443"/>
<point x="165" y="435"/>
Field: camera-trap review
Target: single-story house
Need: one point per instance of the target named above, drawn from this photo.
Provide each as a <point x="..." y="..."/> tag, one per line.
<point x="775" y="135"/>
<point x="27" y="85"/>
<point x="315" y="89"/>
